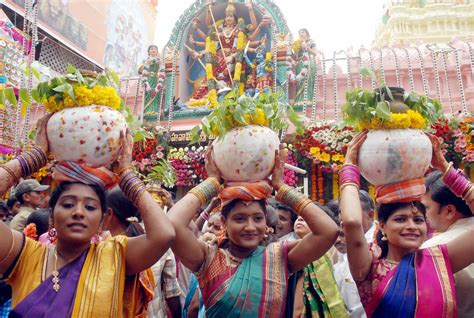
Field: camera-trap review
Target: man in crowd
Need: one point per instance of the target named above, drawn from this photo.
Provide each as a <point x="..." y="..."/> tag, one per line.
<point x="450" y="217"/>
<point x="31" y="195"/>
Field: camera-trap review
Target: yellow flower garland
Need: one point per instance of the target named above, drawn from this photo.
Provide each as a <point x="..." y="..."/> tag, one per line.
<point x="98" y="95"/>
<point x="410" y="119"/>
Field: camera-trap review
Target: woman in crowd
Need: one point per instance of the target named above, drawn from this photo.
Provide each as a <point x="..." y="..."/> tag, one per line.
<point x="62" y="280"/>
<point x="396" y="278"/>
<point x="122" y="218"/>
<point x="313" y="291"/>
<point x="240" y="277"/>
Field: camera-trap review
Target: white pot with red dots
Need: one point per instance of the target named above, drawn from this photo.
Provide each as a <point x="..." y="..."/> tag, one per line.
<point x="246" y="153"/>
<point x="90" y="134"/>
<point x="394" y="155"/>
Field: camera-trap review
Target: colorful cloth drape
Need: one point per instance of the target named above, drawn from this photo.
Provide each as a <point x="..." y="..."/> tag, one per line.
<point x="99" y="289"/>
<point x="255" y="288"/>
<point x="421" y="285"/>
<point x="404" y="191"/>
<point x="138" y="293"/>
<point x="80" y="172"/>
<point x="321" y="296"/>
<point x="245" y="191"/>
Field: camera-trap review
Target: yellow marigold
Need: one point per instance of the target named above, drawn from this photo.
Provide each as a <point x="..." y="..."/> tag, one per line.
<point x="212" y="97"/>
<point x="99" y="95"/>
<point x="337" y="158"/>
<point x="417" y="121"/>
<point x="314" y="150"/>
<point x="398" y="121"/>
<point x="375" y="123"/>
<point x="84" y="95"/>
<point x="296" y="45"/>
<point x="259" y="118"/>
<point x="325" y="157"/>
<point x="241" y="40"/>
<point x="68" y="102"/>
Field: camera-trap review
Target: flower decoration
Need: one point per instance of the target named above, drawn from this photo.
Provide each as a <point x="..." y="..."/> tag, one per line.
<point x="42" y="173"/>
<point x="289" y="176"/>
<point x="146" y="154"/>
<point x="30" y="231"/>
<point x="76" y="89"/>
<point x="324" y="145"/>
<point x="188" y="164"/>
<point x="457" y="135"/>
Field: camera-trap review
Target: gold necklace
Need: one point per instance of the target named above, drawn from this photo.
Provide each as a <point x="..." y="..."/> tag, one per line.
<point x="234" y="258"/>
<point x="55" y="272"/>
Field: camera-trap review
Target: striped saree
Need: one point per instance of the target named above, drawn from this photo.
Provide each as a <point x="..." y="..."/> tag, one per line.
<point x="255" y="288"/>
<point x="421" y="285"/>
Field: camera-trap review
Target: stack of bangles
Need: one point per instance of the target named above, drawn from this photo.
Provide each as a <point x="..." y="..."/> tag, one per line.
<point x="458" y="183"/>
<point x="293" y="198"/>
<point x="206" y="190"/>
<point x="31" y="161"/>
<point x="349" y="175"/>
<point x="131" y="185"/>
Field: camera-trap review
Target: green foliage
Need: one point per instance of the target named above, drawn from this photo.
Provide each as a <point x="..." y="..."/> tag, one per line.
<point x="162" y="173"/>
<point x="363" y="105"/>
<point x="234" y="111"/>
<point x="58" y="86"/>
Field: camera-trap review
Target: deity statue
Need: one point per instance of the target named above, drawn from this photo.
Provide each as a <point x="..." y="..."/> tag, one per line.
<point x="153" y="79"/>
<point x="224" y="46"/>
<point x="260" y="79"/>
<point x="301" y="67"/>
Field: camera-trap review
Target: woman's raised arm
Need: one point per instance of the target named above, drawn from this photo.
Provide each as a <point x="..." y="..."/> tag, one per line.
<point x="190" y="250"/>
<point x="358" y="252"/>
<point x="145" y="250"/>
<point x="25" y="164"/>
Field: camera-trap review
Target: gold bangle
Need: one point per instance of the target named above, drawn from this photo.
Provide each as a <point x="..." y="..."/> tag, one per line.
<point x="468" y="192"/>
<point x="282" y="191"/>
<point x="302" y="205"/>
<point x="450" y="165"/>
<point x="10" y="172"/>
<point x="123" y="170"/>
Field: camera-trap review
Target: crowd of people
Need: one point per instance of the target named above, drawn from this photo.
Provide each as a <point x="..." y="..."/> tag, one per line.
<point x="100" y="245"/>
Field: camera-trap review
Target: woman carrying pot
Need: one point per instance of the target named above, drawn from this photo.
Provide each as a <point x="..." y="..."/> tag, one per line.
<point x="396" y="277"/>
<point x="240" y="277"/>
<point x="75" y="278"/>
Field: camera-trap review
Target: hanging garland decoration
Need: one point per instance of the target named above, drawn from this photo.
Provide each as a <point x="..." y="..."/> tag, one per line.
<point x="211" y="52"/>
<point x="320" y="185"/>
<point x="313" y="182"/>
<point x="291" y="66"/>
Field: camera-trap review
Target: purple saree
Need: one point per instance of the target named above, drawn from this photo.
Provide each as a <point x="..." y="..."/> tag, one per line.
<point x="45" y="302"/>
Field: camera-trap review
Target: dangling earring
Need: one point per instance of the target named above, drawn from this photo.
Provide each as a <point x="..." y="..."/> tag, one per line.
<point x="52" y="235"/>
<point x="97" y="237"/>
<point x="384" y="237"/>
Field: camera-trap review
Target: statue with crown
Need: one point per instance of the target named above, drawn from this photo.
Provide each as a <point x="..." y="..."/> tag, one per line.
<point x="232" y="48"/>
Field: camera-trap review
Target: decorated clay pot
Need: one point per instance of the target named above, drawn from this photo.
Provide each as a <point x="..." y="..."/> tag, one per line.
<point x="246" y="153"/>
<point x="394" y="155"/>
<point x="90" y="134"/>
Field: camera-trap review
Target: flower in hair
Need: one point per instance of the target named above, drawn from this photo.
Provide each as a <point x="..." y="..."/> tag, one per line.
<point x="132" y="219"/>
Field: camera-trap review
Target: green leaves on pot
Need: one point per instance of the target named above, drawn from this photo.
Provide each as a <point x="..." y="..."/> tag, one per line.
<point x="265" y="109"/>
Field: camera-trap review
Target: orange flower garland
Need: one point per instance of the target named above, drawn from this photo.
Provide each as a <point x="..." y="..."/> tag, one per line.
<point x="313" y="182"/>
<point x="335" y="185"/>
